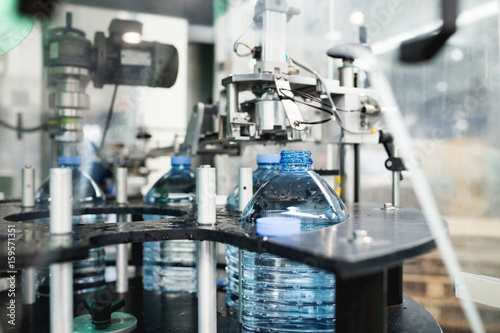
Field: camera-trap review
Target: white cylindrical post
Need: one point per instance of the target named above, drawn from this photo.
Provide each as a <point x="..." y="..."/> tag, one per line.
<point x="245" y="187"/>
<point x="396" y="177"/>
<point x="28" y="187"/>
<point x="205" y="194"/>
<point x="61" y="274"/>
<point x="60" y="202"/>
<point x="121" y="249"/>
<point x="207" y="253"/>
<point x="121" y="186"/>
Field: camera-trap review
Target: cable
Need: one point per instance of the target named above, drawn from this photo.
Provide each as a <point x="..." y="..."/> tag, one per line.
<point x="27" y="130"/>
<point x="108" y="121"/>
<point x="318" y="122"/>
<point x="238" y="43"/>
<point x="332" y="105"/>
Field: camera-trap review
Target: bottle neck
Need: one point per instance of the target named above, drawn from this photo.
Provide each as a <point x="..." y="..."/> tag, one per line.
<point x="275" y="166"/>
<point x="181" y="166"/>
<point x="71" y="166"/>
<point x="295" y="160"/>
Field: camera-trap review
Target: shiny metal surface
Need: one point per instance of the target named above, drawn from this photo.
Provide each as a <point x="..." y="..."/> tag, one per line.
<point x="207" y="287"/>
<point x="61" y="297"/>
<point x="121" y="249"/>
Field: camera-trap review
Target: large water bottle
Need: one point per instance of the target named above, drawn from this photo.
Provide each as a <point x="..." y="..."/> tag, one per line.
<point x="278" y="294"/>
<point x="88" y="274"/>
<point x="267" y="166"/>
<point x="171" y="265"/>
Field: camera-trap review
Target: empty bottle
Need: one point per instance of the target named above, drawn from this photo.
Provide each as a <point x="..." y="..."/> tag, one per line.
<point x="88" y="274"/>
<point x="171" y="265"/>
<point x="267" y="166"/>
<point x="278" y="294"/>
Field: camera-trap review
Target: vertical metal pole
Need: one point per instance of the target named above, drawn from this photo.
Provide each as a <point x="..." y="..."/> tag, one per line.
<point x="28" y="277"/>
<point x="61" y="274"/>
<point x="121" y="249"/>
<point x="245" y="190"/>
<point x="350" y="173"/>
<point x="396" y="177"/>
<point x="245" y="187"/>
<point x="207" y="260"/>
<point x="232" y="106"/>
<point x="357" y="172"/>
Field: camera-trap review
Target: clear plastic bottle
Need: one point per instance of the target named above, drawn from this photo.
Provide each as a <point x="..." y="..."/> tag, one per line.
<point x="267" y="166"/>
<point x="171" y="265"/>
<point x="88" y="274"/>
<point x="281" y="295"/>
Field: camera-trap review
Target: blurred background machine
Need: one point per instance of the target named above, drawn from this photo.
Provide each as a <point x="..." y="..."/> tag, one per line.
<point x="241" y="84"/>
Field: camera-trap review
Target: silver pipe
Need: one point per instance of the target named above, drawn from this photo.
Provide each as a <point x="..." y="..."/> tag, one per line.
<point x="207" y="260"/>
<point x="207" y="287"/>
<point x="28" y="277"/>
<point x="61" y="274"/>
<point x="245" y="187"/>
<point x="121" y="249"/>
<point x="28" y="285"/>
<point x="28" y="186"/>
<point x="231" y="106"/>
<point x="396" y="177"/>
<point x="61" y="298"/>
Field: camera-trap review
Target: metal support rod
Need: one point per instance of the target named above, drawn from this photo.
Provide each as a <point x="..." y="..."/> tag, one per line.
<point x="232" y="106"/>
<point x="28" y="187"/>
<point x="28" y="277"/>
<point x="350" y="171"/>
<point x="207" y="254"/>
<point x="240" y="285"/>
<point x="121" y="249"/>
<point x="28" y="285"/>
<point x="396" y="177"/>
<point x="61" y="274"/>
<point x="245" y="187"/>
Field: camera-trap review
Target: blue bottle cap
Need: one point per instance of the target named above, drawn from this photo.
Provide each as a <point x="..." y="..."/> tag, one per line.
<point x="278" y="226"/>
<point x="180" y="160"/>
<point x="69" y="160"/>
<point x="268" y="158"/>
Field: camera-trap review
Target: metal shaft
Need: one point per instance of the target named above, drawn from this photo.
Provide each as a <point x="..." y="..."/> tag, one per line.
<point x="396" y="177"/>
<point x="207" y="260"/>
<point x="121" y="249"/>
<point x="28" y="277"/>
<point x="28" y="187"/>
<point x="61" y="274"/>
<point x="245" y="187"/>
<point x="207" y="287"/>
<point x="28" y="285"/>
<point x="231" y="106"/>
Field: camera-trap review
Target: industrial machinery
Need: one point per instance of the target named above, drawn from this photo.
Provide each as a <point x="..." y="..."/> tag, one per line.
<point x="275" y="104"/>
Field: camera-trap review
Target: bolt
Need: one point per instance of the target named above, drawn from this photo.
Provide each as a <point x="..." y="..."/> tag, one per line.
<point x="388" y="205"/>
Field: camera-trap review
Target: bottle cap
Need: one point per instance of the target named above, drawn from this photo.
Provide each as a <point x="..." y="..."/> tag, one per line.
<point x="278" y="226"/>
<point x="69" y="160"/>
<point x="268" y="158"/>
<point x="180" y="160"/>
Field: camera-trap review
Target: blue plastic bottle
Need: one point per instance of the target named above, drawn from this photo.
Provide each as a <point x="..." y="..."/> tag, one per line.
<point x="171" y="265"/>
<point x="88" y="274"/>
<point x="267" y="166"/>
<point x="278" y="294"/>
